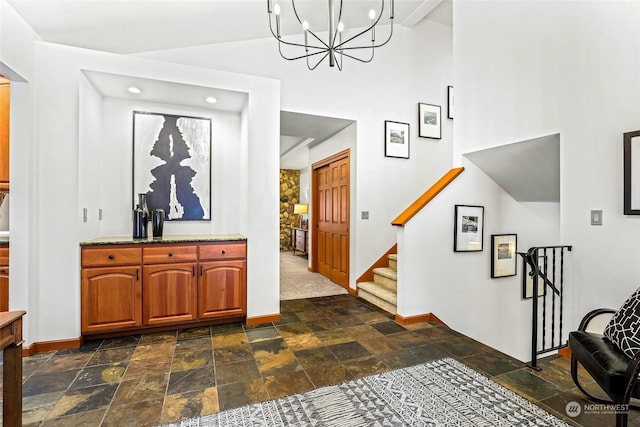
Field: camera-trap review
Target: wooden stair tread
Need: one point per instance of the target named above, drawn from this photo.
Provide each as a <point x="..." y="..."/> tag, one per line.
<point x="387" y="272"/>
<point x="382" y="292"/>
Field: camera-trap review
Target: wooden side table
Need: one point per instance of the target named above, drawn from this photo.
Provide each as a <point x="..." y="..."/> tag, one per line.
<point x="11" y="342"/>
<point x="299" y="240"/>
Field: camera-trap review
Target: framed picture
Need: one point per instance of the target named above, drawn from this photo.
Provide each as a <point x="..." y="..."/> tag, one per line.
<point x="429" y="121"/>
<point x="450" y="104"/>
<point x="632" y="173"/>
<point x="172" y="164"/>
<point x="396" y="139"/>
<point x="527" y="280"/>
<point x="503" y="255"/>
<point x="468" y="228"/>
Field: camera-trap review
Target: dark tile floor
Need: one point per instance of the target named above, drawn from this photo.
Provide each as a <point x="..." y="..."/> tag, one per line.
<point x="163" y="377"/>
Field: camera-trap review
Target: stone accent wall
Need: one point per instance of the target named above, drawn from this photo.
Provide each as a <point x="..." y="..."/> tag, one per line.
<point x="289" y="196"/>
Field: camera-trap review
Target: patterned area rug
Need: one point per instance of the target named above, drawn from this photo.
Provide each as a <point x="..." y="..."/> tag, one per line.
<point x="439" y="393"/>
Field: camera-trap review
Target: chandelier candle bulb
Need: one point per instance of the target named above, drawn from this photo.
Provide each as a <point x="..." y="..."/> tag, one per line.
<point x="305" y="27"/>
<point x="276" y="10"/>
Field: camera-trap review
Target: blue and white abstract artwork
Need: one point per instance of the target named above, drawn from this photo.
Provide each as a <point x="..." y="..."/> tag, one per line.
<point x="172" y="164"/>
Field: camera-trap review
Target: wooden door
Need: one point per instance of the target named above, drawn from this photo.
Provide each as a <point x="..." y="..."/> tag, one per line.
<point x="221" y="289"/>
<point x="169" y="293"/>
<point x="331" y="213"/>
<point x="111" y="298"/>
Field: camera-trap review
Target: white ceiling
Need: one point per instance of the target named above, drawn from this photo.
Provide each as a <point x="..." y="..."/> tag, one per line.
<point x="115" y="86"/>
<point x="528" y="170"/>
<point x="133" y="26"/>
<point x="130" y="26"/>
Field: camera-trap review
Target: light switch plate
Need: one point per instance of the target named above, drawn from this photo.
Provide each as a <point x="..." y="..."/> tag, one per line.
<point x="84" y="214"/>
<point x="364" y="215"/>
<point x="596" y="217"/>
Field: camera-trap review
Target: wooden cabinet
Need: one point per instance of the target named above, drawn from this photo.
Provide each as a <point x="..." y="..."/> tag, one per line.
<point x="169" y="293"/>
<point x="111" y="289"/>
<point x="126" y="288"/>
<point x="111" y="298"/>
<point x="4" y="278"/>
<point x="299" y="240"/>
<point x="4" y="134"/>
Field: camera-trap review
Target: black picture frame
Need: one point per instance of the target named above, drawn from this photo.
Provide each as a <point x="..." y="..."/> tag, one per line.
<point x="450" y="102"/>
<point x="429" y="121"/>
<point x="162" y="144"/>
<point x="631" y="144"/>
<point x="468" y="228"/>
<point x="396" y="139"/>
<point x="504" y="251"/>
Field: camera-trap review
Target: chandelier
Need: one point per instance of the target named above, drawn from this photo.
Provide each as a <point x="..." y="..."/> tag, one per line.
<point x="359" y="46"/>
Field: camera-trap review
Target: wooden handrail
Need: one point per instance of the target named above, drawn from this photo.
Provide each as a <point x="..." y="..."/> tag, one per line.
<point x="422" y="201"/>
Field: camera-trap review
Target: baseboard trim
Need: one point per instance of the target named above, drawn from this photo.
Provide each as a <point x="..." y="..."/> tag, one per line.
<point x="352" y="292"/>
<point x="565" y="352"/>
<point x="410" y="320"/>
<point x="44" y="346"/>
<point x="258" y="320"/>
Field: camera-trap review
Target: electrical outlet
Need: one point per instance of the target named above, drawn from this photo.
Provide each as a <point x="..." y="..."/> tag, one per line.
<point x="100" y="214"/>
<point x="364" y="215"/>
<point x="84" y="214"/>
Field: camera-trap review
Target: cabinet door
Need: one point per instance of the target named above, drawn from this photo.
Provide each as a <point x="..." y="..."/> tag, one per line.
<point x="111" y="298"/>
<point x="169" y="293"/>
<point x="222" y="289"/>
<point x="4" y="288"/>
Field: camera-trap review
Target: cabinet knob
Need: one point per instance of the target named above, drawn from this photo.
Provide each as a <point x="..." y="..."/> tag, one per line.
<point x="224" y="252"/>
<point x="170" y="254"/>
<point x="111" y="257"/>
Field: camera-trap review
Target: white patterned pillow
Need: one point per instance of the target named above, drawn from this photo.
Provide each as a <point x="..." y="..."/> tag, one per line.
<point x="624" y="328"/>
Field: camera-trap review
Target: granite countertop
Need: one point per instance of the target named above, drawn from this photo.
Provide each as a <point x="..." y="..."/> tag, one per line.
<point x="121" y="240"/>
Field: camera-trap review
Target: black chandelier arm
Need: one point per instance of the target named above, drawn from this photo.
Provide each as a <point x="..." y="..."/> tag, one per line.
<point x="319" y="61"/>
<point x="342" y="46"/>
<point x="359" y="59"/>
<point x="281" y="40"/>
<point x="295" y="12"/>
<point x="335" y="33"/>
<point x="301" y="56"/>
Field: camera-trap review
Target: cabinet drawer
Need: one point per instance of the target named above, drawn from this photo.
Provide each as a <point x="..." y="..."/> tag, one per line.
<point x="164" y="254"/>
<point x="300" y="239"/>
<point x="223" y="251"/>
<point x="4" y="256"/>
<point x="110" y="256"/>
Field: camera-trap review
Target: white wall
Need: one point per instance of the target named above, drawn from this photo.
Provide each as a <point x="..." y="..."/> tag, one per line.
<point x="60" y="171"/>
<point x="416" y="66"/>
<point x="530" y="68"/>
<point x="457" y="286"/>
<point x="115" y="150"/>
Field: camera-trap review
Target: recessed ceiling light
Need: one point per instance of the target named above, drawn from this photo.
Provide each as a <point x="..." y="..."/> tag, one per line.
<point x="134" y="89"/>
<point x="211" y="99"/>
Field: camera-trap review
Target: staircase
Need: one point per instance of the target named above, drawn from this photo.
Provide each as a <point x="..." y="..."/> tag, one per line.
<point x="382" y="292"/>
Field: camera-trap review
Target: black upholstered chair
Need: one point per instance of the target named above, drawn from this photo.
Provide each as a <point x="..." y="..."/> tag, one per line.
<point x="610" y="367"/>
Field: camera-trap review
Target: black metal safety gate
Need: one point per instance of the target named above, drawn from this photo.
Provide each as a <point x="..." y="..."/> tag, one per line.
<point x="546" y="269"/>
